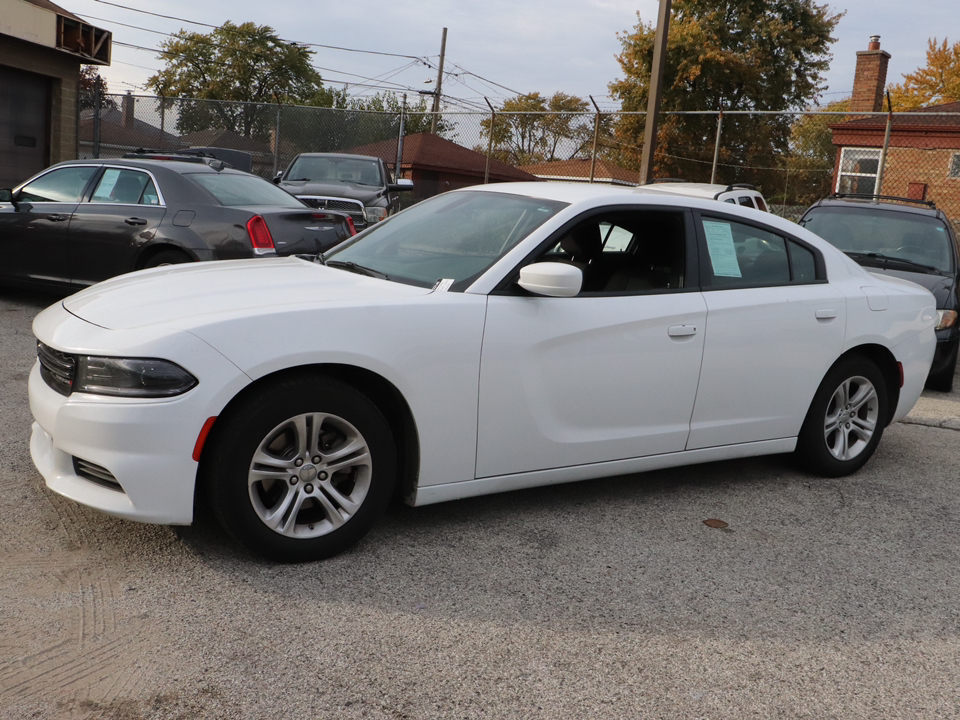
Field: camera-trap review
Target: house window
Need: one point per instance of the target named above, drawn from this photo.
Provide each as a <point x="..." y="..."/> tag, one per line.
<point x="954" y="171"/>
<point x="858" y="170"/>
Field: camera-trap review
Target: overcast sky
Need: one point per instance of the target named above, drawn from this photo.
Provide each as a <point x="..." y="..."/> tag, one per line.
<point x="495" y="48"/>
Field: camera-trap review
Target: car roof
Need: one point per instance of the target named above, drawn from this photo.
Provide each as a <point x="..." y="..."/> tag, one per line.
<point x="339" y="155"/>
<point x="888" y="204"/>
<point x="178" y="166"/>
<point x="704" y="190"/>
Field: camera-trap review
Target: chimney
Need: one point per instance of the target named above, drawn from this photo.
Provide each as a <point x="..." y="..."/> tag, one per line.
<point x="128" y="110"/>
<point x="870" y="78"/>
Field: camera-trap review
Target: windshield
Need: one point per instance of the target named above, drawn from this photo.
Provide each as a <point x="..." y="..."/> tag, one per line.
<point x="336" y="170"/>
<point x="243" y="190"/>
<point x="916" y="238"/>
<point x="455" y="236"/>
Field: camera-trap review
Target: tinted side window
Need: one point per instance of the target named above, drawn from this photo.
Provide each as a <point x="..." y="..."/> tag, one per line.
<point x="128" y="187"/>
<point x="745" y="200"/>
<point x="627" y="251"/>
<point x="803" y="262"/>
<point x="742" y="255"/>
<point x="63" y="185"/>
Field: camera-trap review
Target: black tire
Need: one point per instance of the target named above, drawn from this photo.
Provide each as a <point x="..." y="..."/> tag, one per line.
<point x="332" y="508"/>
<point x="166" y="257"/>
<point x="837" y="440"/>
<point x="943" y="380"/>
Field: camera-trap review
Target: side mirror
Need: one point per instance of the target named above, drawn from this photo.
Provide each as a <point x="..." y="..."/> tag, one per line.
<point x="277" y="178"/>
<point x="551" y="279"/>
<point x="6" y="196"/>
<point x="403" y="185"/>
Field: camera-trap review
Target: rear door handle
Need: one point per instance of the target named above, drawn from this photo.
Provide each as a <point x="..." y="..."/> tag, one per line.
<point x="135" y="221"/>
<point x="56" y="217"/>
<point x="681" y="330"/>
<point x="826" y="314"/>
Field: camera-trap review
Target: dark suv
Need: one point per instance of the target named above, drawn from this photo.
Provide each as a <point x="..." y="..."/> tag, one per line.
<point x="358" y="185"/>
<point x="911" y="239"/>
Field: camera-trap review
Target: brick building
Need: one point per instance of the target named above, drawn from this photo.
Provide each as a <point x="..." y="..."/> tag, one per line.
<point x="42" y="47"/>
<point x="923" y="157"/>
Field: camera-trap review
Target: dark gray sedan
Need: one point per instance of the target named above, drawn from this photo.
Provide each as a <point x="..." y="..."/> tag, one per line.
<point x="83" y="221"/>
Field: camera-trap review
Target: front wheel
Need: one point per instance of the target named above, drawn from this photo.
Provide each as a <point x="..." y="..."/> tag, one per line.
<point x="301" y="470"/>
<point x="845" y="420"/>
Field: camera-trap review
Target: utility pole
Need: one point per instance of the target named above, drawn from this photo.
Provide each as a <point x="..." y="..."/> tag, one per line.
<point x="653" y="100"/>
<point x="436" y="92"/>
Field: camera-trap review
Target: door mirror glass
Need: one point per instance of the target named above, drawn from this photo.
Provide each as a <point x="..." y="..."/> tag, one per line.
<point x="6" y="195"/>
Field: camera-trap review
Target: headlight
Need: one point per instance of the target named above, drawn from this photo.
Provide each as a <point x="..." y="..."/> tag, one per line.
<point x="946" y="318"/>
<point x="374" y="214"/>
<point x="131" y="377"/>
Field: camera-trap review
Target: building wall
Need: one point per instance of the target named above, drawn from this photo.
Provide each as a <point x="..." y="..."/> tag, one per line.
<point x="931" y="167"/>
<point x="64" y="71"/>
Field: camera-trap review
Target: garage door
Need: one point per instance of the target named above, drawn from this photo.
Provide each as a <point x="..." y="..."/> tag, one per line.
<point x="24" y="125"/>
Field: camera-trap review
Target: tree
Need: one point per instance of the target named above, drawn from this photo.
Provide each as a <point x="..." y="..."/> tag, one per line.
<point x="531" y="128"/>
<point x="809" y="165"/>
<point x="242" y="63"/>
<point x="89" y="77"/>
<point x="761" y="55"/>
<point x="417" y="117"/>
<point x="935" y="84"/>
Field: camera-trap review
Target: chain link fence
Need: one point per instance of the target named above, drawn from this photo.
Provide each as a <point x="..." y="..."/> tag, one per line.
<point x="792" y="158"/>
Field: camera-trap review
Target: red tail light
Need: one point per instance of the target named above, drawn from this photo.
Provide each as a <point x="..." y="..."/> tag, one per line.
<point x="350" y="224"/>
<point x="259" y="233"/>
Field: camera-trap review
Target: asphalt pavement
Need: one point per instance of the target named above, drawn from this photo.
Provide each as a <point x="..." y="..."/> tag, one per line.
<point x="810" y="598"/>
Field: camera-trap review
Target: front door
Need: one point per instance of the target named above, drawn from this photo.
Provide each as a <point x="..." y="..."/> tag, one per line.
<point x="33" y="232"/>
<point x="609" y="374"/>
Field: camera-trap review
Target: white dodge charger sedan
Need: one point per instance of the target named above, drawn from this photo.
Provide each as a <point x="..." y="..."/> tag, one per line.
<point x="485" y="340"/>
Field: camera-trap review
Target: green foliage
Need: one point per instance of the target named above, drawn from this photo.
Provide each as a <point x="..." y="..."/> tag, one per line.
<point x="935" y="84"/>
<point x="812" y="156"/>
<point x="417" y="117"/>
<point x="89" y="75"/>
<point x="761" y="55"/>
<point x="532" y="129"/>
<point x="246" y="63"/>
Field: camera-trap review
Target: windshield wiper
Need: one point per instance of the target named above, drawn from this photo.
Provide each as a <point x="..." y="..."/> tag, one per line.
<point x="359" y="269"/>
<point x="297" y="180"/>
<point x="880" y="257"/>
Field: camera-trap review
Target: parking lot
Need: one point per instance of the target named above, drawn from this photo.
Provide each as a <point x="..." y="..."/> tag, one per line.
<point x="605" y="599"/>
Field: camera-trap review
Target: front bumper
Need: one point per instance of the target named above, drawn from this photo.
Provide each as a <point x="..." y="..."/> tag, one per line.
<point x="146" y="447"/>
<point x="135" y="454"/>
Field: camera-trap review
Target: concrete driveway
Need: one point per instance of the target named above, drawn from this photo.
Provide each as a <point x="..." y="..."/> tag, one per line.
<point x="606" y="599"/>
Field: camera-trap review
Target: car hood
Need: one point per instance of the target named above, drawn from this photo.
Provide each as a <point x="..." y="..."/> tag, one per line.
<point x="190" y="295"/>
<point x="939" y="285"/>
<point x="363" y="193"/>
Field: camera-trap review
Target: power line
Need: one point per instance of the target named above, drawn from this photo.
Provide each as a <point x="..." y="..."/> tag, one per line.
<point x="295" y="42"/>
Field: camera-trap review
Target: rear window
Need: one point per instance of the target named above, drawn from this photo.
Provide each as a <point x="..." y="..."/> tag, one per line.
<point x="243" y="190"/>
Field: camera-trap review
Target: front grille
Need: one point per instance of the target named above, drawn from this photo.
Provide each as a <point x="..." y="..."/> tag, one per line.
<point x="57" y="369"/>
<point x="95" y="474"/>
<point x="354" y="208"/>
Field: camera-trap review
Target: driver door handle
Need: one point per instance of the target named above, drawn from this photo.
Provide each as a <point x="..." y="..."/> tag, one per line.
<point x="135" y="221"/>
<point x="56" y="217"/>
<point x="681" y="330"/>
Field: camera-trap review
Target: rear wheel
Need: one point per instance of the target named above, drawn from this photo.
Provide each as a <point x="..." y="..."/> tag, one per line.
<point x="167" y="257"/>
<point x="302" y="470"/>
<point x="846" y="419"/>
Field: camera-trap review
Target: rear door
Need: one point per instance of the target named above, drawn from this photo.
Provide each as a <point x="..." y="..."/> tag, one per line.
<point x="122" y="214"/>
<point x="774" y="328"/>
